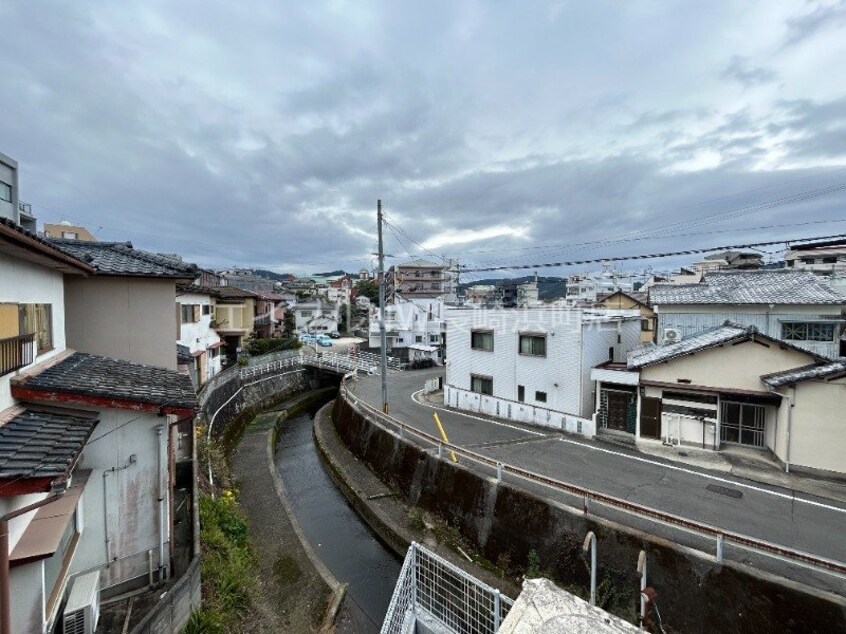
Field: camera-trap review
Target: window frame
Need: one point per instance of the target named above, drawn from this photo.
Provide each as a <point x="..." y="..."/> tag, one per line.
<point x="804" y="331"/>
<point x="535" y="336"/>
<point x="541" y="397"/>
<point x="481" y="332"/>
<point x="485" y="380"/>
<point x="5" y="186"/>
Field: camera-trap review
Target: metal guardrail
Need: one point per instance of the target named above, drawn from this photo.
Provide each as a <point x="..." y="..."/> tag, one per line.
<point x="588" y="496"/>
<point x="325" y="360"/>
<point x="433" y="590"/>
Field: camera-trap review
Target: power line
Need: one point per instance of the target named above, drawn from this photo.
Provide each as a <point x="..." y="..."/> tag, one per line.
<point x="649" y="255"/>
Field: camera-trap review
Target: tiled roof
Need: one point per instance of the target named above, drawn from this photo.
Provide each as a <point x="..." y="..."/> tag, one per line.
<point x="104" y="377"/>
<point x="197" y="289"/>
<point x="120" y="258"/>
<point x="9" y="229"/>
<point x="828" y="370"/>
<point x="749" y="287"/>
<point x="183" y="355"/>
<point x="708" y="339"/>
<point x="233" y="292"/>
<point x="42" y="444"/>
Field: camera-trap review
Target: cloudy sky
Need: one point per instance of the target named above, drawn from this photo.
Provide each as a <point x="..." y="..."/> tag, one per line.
<point x="261" y="133"/>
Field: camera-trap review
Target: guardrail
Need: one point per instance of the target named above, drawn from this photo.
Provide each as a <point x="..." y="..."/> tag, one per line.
<point x="588" y="496"/>
<point x="322" y="360"/>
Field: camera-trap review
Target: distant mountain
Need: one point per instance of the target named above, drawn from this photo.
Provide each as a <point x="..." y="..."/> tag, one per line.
<point x="549" y="288"/>
<point x="337" y="273"/>
<point x="271" y="275"/>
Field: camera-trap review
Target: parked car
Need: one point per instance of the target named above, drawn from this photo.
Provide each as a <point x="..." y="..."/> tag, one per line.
<point x="307" y="337"/>
<point x="323" y="340"/>
<point x="334" y="335"/>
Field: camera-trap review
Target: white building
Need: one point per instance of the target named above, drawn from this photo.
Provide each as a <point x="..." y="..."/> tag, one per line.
<point x="583" y="288"/>
<point x="533" y="365"/>
<point x="195" y="308"/>
<point x="795" y="306"/>
<point x="414" y="329"/>
<point x="317" y="316"/>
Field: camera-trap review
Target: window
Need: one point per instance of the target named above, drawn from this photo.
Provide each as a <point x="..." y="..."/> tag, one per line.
<point x="540" y="397"/>
<point x="37" y="319"/>
<point x="521" y="393"/>
<point x="434" y="338"/>
<point x="418" y="339"/>
<point x="830" y="260"/>
<point x="533" y="345"/>
<point x="206" y="309"/>
<point x="190" y="313"/>
<point x="481" y="384"/>
<point x="646" y="325"/>
<point x="70" y="235"/>
<point x="305" y="314"/>
<point x="807" y="331"/>
<point x="5" y="192"/>
<point x="482" y="340"/>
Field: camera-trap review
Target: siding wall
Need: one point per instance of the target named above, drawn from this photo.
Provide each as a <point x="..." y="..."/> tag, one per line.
<point x="694" y="319"/>
<point x="571" y="351"/>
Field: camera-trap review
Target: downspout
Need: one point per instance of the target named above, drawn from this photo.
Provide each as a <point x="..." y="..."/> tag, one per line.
<point x="58" y="489"/>
<point x="162" y="557"/>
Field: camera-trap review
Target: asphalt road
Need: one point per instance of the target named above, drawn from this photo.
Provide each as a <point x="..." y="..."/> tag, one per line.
<point x="776" y="515"/>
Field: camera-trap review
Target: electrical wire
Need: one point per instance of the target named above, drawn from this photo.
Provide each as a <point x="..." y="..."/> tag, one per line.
<point x="649" y="255"/>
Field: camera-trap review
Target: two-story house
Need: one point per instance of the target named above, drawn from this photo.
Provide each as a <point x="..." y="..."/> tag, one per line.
<point x="195" y="310"/>
<point x="234" y="318"/>
<point x="316" y="316"/>
<point x="415" y="330"/>
<point x="533" y="365"/>
<point x="85" y="455"/>
<point x="797" y="307"/>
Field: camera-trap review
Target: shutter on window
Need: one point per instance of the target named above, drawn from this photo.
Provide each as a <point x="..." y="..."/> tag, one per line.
<point x="9" y="321"/>
<point x="178" y="320"/>
<point x="196" y="312"/>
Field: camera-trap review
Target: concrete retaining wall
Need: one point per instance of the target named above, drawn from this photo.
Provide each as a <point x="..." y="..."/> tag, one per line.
<point x="173" y="611"/>
<point x="694" y="593"/>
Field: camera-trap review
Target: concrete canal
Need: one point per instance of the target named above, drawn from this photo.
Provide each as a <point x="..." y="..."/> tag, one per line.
<point x="341" y="539"/>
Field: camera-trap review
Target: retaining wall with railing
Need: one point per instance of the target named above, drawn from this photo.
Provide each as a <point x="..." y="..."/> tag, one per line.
<point x="506" y="512"/>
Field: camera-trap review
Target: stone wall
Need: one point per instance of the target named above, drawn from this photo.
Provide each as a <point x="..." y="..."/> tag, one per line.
<point x="694" y="593"/>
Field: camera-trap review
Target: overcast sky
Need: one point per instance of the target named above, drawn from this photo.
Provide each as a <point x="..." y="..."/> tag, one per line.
<point x="261" y="133"/>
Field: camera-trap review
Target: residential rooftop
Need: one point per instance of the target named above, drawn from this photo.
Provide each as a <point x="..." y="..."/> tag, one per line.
<point x="106" y="382"/>
<point x="42" y="443"/>
<point x="233" y="292"/>
<point x="780" y="286"/>
<point x="122" y="259"/>
<point x="820" y="371"/>
<point x="20" y="243"/>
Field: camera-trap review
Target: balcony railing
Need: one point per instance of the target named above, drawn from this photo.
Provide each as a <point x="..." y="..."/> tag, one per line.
<point x="16" y="352"/>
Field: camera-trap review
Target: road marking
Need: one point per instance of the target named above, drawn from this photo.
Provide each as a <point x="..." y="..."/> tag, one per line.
<point x="484" y="420"/>
<point x="785" y="496"/>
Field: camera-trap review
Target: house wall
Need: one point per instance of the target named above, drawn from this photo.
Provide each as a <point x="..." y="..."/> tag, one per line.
<point x="9" y="175"/>
<point x="127" y="496"/>
<point x="731" y="367"/>
<point x="624" y="302"/>
<point x="818" y="428"/>
<point x="121" y="317"/>
<point x="198" y="336"/>
<point x="564" y="373"/>
<point x="692" y="319"/>
<point x="27" y="610"/>
<point x="240" y="316"/>
<point x="23" y="282"/>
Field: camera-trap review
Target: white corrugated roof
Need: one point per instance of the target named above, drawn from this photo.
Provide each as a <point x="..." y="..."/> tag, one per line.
<point x="750" y="287"/>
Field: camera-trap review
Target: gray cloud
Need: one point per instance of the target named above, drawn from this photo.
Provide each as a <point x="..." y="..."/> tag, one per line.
<point x="823" y="16"/>
<point x="264" y="137"/>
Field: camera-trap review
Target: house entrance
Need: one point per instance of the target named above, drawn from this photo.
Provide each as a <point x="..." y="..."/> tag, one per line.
<point x="742" y="424"/>
<point x="650" y="417"/>
<point x="618" y="409"/>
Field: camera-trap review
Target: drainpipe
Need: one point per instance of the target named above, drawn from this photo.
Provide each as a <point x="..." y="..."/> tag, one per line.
<point x="162" y="558"/>
<point x="57" y="488"/>
<point x="791" y="402"/>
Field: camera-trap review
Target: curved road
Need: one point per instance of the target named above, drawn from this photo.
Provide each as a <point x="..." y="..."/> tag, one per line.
<point x="781" y="516"/>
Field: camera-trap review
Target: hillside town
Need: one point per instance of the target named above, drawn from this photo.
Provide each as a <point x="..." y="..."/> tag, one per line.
<point x="456" y="318"/>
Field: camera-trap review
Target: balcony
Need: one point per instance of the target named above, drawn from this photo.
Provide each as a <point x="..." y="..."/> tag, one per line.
<point x="16" y="353"/>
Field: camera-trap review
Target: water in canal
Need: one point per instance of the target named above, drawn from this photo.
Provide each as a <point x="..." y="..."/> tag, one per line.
<point x="341" y="539"/>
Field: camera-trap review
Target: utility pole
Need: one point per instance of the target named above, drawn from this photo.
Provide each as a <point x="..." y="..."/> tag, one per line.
<point x="383" y="344"/>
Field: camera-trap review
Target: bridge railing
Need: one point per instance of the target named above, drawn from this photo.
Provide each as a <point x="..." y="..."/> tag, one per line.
<point x="833" y="571"/>
<point x="341" y="362"/>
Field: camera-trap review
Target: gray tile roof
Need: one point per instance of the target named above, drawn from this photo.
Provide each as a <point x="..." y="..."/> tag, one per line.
<point x="121" y="258"/>
<point x="103" y="377"/>
<point x="233" y="292"/>
<point x="749" y="287"/>
<point x="708" y="339"/>
<point x="806" y="373"/>
<point x="42" y="444"/>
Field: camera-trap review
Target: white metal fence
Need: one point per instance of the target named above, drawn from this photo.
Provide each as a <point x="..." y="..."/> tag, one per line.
<point x="343" y="362"/>
<point x="431" y="590"/>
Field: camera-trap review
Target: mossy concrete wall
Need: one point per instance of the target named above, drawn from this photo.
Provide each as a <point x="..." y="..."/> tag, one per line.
<point x="694" y="593"/>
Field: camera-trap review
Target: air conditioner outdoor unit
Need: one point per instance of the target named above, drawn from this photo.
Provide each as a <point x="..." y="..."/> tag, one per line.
<point x="671" y="335"/>
<point x="82" y="610"/>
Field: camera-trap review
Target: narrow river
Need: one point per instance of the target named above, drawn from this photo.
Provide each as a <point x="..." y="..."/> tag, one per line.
<point x="341" y="539"/>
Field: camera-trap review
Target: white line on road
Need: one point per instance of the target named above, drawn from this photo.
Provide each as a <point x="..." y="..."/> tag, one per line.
<point x="786" y="496"/>
<point x="484" y="420"/>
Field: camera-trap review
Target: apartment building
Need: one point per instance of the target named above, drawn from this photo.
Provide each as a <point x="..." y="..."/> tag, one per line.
<point x="415" y="330"/>
<point x="420" y="279"/>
